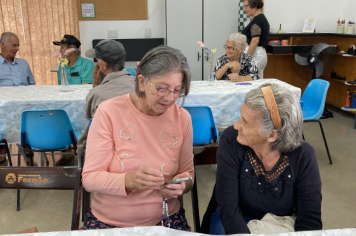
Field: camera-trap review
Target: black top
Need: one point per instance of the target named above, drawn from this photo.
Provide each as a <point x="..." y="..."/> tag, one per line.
<point x="248" y="66"/>
<point x="258" y="27"/>
<point x="244" y="188"/>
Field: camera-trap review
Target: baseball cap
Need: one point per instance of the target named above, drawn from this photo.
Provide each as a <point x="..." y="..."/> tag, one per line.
<point x="107" y="50"/>
<point x="68" y="40"/>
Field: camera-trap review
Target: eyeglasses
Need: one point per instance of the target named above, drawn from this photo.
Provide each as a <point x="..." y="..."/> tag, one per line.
<point x="230" y="48"/>
<point x="245" y="6"/>
<point x="165" y="91"/>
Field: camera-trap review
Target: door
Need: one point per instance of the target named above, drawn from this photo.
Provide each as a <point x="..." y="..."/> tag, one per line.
<point x="184" y="29"/>
<point x="220" y="20"/>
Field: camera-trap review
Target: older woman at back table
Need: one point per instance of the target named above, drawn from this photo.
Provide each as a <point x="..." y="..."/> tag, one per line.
<point x="236" y="65"/>
<point x="136" y="143"/>
<point x="264" y="166"/>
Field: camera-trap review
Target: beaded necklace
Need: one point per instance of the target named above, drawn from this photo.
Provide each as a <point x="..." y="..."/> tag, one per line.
<point x="165" y="209"/>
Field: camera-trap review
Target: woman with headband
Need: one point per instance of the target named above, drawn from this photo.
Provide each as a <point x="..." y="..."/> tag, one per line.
<point x="264" y="166"/>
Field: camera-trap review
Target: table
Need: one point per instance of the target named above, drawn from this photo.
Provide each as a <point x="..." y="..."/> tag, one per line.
<point x="15" y="100"/>
<point x="159" y="230"/>
<point x="224" y="98"/>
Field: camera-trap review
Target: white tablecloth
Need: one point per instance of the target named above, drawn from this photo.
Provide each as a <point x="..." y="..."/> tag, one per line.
<point x="224" y="98"/>
<point x="15" y="100"/>
<point x="159" y="230"/>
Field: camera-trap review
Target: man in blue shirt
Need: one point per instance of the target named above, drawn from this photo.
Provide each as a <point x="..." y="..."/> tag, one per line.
<point x="79" y="70"/>
<point x="13" y="71"/>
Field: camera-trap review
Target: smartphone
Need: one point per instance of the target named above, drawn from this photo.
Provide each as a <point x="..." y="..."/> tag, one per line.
<point x="177" y="181"/>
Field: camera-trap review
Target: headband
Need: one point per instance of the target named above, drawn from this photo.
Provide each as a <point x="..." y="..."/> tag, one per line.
<point x="272" y="106"/>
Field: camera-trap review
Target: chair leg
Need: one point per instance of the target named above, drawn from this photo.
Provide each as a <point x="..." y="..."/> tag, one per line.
<point x="326" y="144"/>
<point x="7" y="152"/>
<point x="39" y="159"/>
<point x="45" y="156"/>
<point x="18" y="190"/>
<point x="195" y="206"/>
<point x="85" y="203"/>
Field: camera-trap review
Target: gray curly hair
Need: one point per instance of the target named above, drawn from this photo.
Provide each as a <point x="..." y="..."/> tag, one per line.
<point x="160" y="61"/>
<point x="239" y="39"/>
<point x="290" y="134"/>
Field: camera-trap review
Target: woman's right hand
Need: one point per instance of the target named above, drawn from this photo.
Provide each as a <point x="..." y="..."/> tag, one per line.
<point x="234" y="66"/>
<point x="146" y="178"/>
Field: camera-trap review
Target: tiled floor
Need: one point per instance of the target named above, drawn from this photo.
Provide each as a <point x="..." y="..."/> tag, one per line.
<point x="51" y="210"/>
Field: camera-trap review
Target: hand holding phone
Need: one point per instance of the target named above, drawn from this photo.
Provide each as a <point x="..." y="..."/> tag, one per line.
<point x="177" y="181"/>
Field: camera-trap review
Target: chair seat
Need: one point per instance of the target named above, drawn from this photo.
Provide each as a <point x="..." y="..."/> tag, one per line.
<point x="310" y="115"/>
<point x="78" y="134"/>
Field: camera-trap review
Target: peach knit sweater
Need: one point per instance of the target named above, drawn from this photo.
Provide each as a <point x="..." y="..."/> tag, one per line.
<point x="121" y="138"/>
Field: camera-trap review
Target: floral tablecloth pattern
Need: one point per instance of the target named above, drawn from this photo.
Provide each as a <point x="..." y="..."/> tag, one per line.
<point x="224" y="98"/>
<point x="159" y="230"/>
<point x="15" y="100"/>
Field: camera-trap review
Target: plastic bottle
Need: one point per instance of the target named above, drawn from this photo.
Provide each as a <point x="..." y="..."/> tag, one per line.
<point x="353" y="107"/>
<point x="280" y="29"/>
<point x="348" y="99"/>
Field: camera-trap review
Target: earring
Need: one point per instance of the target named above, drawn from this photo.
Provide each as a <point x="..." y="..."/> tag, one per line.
<point x="142" y="89"/>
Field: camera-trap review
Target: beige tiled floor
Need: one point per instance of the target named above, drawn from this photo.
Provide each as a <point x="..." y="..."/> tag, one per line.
<point x="51" y="210"/>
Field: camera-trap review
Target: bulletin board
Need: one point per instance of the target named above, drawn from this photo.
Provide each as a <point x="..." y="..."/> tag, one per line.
<point x="116" y="9"/>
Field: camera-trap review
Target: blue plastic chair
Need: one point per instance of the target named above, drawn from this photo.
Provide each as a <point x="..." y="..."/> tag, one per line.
<point x="7" y="151"/>
<point x="47" y="130"/>
<point x="313" y="101"/>
<point x="204" y="129"/>
<point x="131" y="71"/>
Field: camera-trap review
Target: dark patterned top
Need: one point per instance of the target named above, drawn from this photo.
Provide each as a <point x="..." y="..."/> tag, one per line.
<point x="245" y="189"/>
<point x="258" y="27"/>
<point x="248" y="66"/>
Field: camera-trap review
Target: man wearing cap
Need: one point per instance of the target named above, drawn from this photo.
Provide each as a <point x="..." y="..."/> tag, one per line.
<point x="111" y="56"/>
<point x="79" y="70"/>
<point x="13" y="71"/>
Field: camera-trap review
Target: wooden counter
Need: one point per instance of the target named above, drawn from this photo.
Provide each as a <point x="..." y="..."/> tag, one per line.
<point x="279" y="65"/>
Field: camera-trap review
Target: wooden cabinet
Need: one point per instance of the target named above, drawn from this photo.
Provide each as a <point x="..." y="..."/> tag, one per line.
<point x="210" y="21"/>
<point x="279" y="66"/>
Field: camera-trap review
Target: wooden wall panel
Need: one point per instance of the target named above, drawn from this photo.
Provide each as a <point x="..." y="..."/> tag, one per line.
<point x="279" y="67"/>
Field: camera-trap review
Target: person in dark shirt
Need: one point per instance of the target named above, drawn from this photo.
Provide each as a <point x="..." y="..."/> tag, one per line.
<point x="264" y="166"/>
<point x="257" y="32"/>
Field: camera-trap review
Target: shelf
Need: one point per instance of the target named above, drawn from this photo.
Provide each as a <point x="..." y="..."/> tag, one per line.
<point x="349" y="110"/>
<point x="341" y="81"/>
<point x="270" y="54"/>
<point x="343" y="55"/>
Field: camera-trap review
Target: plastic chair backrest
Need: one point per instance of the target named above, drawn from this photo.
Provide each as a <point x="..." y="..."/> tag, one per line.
<point x="131" y="71"/>
<point x="314" y="99"/>
<point x="90" y="123"/>
<point x="46" y="129"/>
<point x="204" y="129"/>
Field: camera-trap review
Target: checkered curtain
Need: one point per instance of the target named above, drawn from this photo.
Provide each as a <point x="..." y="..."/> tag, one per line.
<point x="38" y="23"/>
<point x="242" y="16"/>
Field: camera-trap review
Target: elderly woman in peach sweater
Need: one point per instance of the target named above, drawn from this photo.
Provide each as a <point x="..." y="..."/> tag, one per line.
<point x="136" y="143"/>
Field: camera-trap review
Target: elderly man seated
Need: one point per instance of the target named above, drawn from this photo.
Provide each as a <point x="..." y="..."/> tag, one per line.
<point x="79" y="70"/>
<point x="13" y="71"/>
<point x="111" y="62"/>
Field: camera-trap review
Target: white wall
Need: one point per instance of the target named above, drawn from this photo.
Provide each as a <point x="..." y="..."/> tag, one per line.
<point x="292" y="13"/>
<point x="90" y="30"/>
